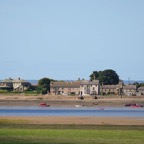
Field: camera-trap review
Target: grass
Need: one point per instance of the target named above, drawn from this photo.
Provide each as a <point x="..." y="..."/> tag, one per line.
<point x="18" y="132"/>
<point x="26" y="93"/>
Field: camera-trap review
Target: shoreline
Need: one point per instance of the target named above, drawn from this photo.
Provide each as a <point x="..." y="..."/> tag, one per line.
<point x="76" y="120"/>
<point x="69" y="101"/>
<point x="66" y="101"/>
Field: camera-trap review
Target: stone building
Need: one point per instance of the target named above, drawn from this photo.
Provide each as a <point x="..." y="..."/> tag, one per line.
<point x="14" y="84"/>
<point x="20" y="85"/>
<point x="111" y="89"/>
<point x="65" y="88"/>
<point x="129" y="90"/>
<point x="89" y="87"/>
<point x="6" y="84"/>
<point x="76" y="87"/>
<point x="141" y="90"/>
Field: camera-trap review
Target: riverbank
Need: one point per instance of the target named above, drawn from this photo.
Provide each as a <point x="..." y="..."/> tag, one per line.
<point x="71" y="101"/>
<point x="58" y="101"/>
<point x="73" y="120"/>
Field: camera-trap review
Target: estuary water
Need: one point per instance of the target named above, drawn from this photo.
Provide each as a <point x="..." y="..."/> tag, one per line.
<point x="71" y="111"/>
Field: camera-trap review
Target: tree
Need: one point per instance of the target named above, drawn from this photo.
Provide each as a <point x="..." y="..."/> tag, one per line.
<point x="44" y="85"/>
<point x="107" y="77"/>
<point x="94" y="75"/>
<point x="136" y="84"/>
<point x="141" y="84"/>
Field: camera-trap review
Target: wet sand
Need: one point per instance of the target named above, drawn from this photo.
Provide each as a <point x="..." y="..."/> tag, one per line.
<point x="52" y="100"/>
<point x="82" y="120"/>
<point x="71" y="101"/>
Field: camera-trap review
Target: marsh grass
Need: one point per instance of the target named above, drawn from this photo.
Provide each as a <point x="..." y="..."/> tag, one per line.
<point x="21" y="132"/>
<point x="70" y="136"/>
<point x="12" y="122"/>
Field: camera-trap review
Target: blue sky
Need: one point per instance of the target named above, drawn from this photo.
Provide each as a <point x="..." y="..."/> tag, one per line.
<point x="69" y="39"/>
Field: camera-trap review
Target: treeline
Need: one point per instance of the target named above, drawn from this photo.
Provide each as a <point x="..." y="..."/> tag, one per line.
<point x="138" y="84"/>
<point x="106" y="77"/>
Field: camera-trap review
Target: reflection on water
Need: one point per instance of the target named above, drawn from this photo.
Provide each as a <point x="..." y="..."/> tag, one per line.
<point x="71" y="111"/>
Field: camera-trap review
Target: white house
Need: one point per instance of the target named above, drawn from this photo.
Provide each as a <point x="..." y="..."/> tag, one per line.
<point x="89" y="87"/>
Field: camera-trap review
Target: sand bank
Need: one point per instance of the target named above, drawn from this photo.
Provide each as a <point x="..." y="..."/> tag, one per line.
<point x="20" y="100"/>
<point x="75" y="120"/>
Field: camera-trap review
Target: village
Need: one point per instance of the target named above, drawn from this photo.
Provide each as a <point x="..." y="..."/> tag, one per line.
<point x="78" y="87"/>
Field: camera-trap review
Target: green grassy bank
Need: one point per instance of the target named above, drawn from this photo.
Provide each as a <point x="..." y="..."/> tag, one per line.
<point x="70" y="134"/>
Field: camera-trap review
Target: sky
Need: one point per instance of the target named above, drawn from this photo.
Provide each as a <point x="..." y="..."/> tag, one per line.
<point x="69" y="39"/>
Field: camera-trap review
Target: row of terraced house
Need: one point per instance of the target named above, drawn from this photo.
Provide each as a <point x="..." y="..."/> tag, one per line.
<point x="86" y="87"/>
<point x="79" y="87"/>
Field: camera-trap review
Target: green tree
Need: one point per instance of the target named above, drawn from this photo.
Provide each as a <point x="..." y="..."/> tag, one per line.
<point x="141" y="84"/>
<point x="44" y="85"/>
<point x="107" y="77"/>
<point x="137" y="84"/>
<point x="94" y="75"/>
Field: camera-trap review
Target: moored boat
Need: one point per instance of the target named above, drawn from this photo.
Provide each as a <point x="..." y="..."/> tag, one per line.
<point x="79" y="105"/>
<point x="134" y="105"/>
<point x="44" y="105"/>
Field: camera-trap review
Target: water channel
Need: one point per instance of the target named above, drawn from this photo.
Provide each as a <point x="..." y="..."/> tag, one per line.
<point x="70" y="111"/>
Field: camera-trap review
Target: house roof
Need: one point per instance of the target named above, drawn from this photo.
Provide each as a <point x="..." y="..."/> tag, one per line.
<point x="21" y="80"/>
<point x="141" y="88"/>
<point x="86" y="82"/>
<point x="8" y="80"/>
<point x="14" y="80"/>
<point x="75" y="84"/>
<point x="111" y="86"/>
<point x="129" y="87"/>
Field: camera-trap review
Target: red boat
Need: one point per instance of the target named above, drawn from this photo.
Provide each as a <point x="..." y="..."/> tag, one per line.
<point x="134" y="105"/>
<point x="128" y="105"/>
<point x="44" y="105"/>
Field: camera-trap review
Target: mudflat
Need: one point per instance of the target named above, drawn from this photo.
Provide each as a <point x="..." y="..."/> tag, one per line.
<point x="59" y="100"/>
<point x="71" y="101"/>
<point x="77" y="120"/>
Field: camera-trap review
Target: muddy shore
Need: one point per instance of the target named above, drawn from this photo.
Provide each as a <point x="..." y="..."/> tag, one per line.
<point x="82" y="120"/>
<point x="19" y="100"/>
<point x="71" y="101"/>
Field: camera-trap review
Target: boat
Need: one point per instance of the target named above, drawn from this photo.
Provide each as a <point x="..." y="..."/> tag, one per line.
<point x="128" y="105"/>
<point x="79" y="105"/>
<point x="136" y="106"/>
<point x="101" y="108"/>
<point x="133" y="105"/>
<point x="44" y="105"/>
